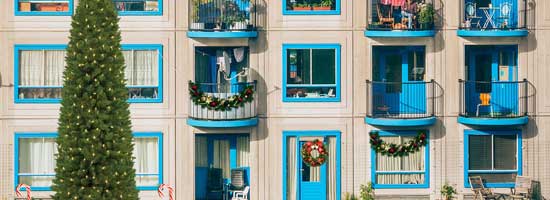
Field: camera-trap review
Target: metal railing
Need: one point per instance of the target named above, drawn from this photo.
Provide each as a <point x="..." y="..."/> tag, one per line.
<point x="493" y="99"/>
<point x="222" y="15"/>
<point x="507" y="15"/>
<point x="401" y="100"/>
<point x="411" y="16"/>
<point x="248" y="110"/>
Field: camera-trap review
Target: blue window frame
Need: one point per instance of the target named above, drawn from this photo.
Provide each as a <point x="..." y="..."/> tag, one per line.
<point x="311" y="7"/>
<point x="28" y="144"/>
<point x="295" y="173"/>
<point x="29" y="147"/>
<point x="45" y="86"/>
<point x="401" y="169"/>
<point x="498" y="157"/>
<point x="43" y="7"/>
<point x="311" y="72"/>
<point x="138" y="7"/>
<point x="148" y="146"/>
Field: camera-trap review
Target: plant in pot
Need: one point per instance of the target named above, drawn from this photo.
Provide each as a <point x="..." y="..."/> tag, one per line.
<point x="196" y="24"/>
<point x="301" y="6"/>
<point x="240" y="22"/>
<point x="426" y="16"/>
<point x="323" y="5"/>
<point x="448" y="191"/>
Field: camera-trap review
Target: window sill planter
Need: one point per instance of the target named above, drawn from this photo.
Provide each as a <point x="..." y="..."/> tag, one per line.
<point x="321" y="7"/>
<point x="301" y="8"/>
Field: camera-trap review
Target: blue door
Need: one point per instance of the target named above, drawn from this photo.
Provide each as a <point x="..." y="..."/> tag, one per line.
<point x="401" y="71"/>
<point x="313" y="184"/>
<point x="494" y="70"/>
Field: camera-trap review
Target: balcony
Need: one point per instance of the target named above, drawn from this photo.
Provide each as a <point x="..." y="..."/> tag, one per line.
<point x="493" y="18"/>
<point x="216" y="105"/>
<point x="402" y="104"/>
<point x="222" y="19"/>
<point x="400" y="18"/>
<point x="493" y="103"/>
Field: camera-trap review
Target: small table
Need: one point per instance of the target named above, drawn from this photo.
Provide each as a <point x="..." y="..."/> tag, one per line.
<point x="489" y="14"/>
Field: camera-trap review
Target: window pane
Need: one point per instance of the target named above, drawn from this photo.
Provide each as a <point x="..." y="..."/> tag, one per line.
<point x="44" y="6"/>
<point x="324" y="66"/>
<point x="298" y="66"/>
<point x="483" y="65"/>
<point x="136" y="5"/>
<point x="243" y="151"/>
<point x="505" y="151"/>
<point x="479" y="152"/>
<point x="414" y="161"/>
<point x="393" y="71"/>
<point x="400" y="179"/>
<point x="141" y="73"/>
<point x="37" y="157"/>
<point x="497" y="178"/>
<point x="41" y="74"/>
<point x="146" y="160"/>
<point x="416" y="66"/>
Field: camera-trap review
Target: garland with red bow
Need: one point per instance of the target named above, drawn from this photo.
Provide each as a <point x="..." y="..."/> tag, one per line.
<point x="394" y="150"/>
<point x="220" y="104"/>
<point x="316" y="147"/>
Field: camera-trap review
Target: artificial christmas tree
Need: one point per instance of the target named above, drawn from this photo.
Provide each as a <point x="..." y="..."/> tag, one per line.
<point x="95" y="139"/>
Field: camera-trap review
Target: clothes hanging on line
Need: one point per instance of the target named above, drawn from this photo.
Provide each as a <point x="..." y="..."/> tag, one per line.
<point x="239" y="54"/>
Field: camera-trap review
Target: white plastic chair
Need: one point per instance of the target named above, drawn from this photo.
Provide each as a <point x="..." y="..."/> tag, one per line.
<point x="241" y="195"/>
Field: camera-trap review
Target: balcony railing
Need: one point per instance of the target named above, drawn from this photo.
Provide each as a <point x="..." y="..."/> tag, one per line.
<point x="222" y="15"/>
<point x="482" y="15"/>
<point x="401" y="100"/>
<point x="403" y="15"/>
<point x="247" y="111"/>
<point x="494" y="99"/>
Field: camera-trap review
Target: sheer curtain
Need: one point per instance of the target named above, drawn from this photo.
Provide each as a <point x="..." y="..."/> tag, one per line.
<point x="42" y="68"/>
<point x="221" y="157"/>
<point x="146" y="160"/>
<point x="243" y="151"/>
<point x="37" y="157"/>
<point x="141" y="67"/>
<point x="412" y="162"/>
<point x="201" y="152"/>
<point x="331" y="169"/>
<point x="291" y="168"/>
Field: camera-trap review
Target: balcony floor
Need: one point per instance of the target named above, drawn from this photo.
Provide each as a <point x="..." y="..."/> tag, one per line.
<point x="492" y="33"/>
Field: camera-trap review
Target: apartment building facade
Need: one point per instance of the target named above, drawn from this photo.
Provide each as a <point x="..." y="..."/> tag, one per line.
<point x="469" y="75"/>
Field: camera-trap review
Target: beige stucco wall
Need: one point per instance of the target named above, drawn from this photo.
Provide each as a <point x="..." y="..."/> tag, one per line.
<point x="444" y="59"/>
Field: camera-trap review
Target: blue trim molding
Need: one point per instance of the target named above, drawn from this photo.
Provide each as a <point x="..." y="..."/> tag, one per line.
<point x="518" y="121"/>
<point x="222" y="34"/>
<point x="39" y="13"/>
<point x="311" y="133"/>
<point x="400" y="122"/>
<point x="336" y="11"/>
<point x="493" y="33"/>
<point x="18" y="136"/>
<point x="519" y="165"/>
<point x="337" y="85"/>
<point x="398" y="33"/>
<point x="426" y="172"/>
<point x="22" y="47"/>
<point x="143" y="13"/>
<point x="223" y="123"/>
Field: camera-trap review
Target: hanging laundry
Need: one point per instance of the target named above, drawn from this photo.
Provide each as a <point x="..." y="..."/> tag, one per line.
<point x="239" y="54"/>
<point x="385" y="2"/>
<point x="223" y="60"/>
<point x="397" y="2"/>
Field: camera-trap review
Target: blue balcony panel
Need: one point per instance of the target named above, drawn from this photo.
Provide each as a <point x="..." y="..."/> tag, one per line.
<point x="517" y="121"/>
<point x="398" y="33"/>
<point x="428" y="121"/>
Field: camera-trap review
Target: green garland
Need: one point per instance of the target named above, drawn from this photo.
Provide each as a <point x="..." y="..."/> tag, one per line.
<point x="220" y="104"/>
<point x="394" y="150"/>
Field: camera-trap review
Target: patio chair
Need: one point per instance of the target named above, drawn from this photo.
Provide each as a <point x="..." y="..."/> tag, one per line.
<point x="522" y="189"/>
<point x="485" y="99"/>
<point x="241" y="195"/>
<point x="470" y="9"/>
<point x="480" y="192"/>
<point x="384" y="19"/>
<point x="215" y="187"/>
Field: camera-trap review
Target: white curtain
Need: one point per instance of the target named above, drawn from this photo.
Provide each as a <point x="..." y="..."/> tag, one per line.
<point x="37" y="156"/>
<point x="42" y="68"/>
<point x="221" y="157"/>
<point x="141" y="67"/>
<point x="201" y="152"/>
<point x="412" y="162"/>
<point x="331" y="169"/>
<point x="243" y="151"/>
<point x="146" y="160"/>
<point x="291" y="172"/>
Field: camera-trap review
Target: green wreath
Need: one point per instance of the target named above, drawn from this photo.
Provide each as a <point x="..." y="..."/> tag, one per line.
<point x="220" y="104"/>
<point x="314" y="153"/>
<point x="394" y="150"/>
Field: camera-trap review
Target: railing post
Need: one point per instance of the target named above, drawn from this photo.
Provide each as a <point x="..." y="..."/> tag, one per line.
<point x="369" y="99"/>
<point x="432" y="83"/>
<point x="526" y="94"/>
<point x="461" y="97"/>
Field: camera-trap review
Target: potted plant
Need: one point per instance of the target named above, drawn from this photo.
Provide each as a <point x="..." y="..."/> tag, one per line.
<point x="196" y="24"/>
<point x="323" y="5"/>
<point x="240" y="22"/>
<point x="426" y="16"/>
<point x="301" y="6"/>
<point x="366" y="192"/>
<point x="448" y="191"/>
